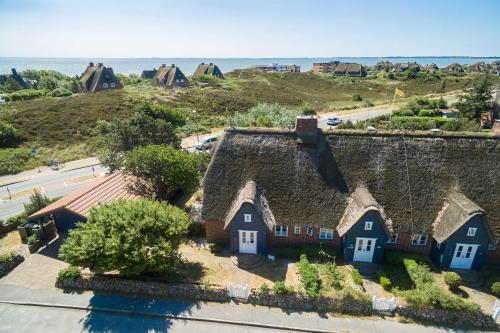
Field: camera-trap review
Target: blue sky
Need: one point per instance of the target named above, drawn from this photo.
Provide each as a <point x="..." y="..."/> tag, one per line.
<point x="248" y="28"/>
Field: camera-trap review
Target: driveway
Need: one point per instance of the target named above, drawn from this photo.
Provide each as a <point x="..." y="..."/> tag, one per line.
<point x="38" y="270"/>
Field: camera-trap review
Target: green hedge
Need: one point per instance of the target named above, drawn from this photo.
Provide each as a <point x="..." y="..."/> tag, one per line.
<point x="23" y="95"/>
<point x="6" y="257"/>
<point x="69" y="272"/>
<point x="309" y="277"/>
<point x="452" y="280"/>
<point x="356" y="277"/>
<point x="12" y="160"/>
<point x="384" y="280"/>
<point x="280" y="287"/>
<point x="398" y="257"/>
<point x="312" y="251"/>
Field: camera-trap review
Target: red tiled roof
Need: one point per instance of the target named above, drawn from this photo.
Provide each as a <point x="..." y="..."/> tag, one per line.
<point x="100" y="191"/>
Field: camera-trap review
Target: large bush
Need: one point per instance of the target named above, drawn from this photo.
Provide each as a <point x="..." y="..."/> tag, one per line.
<point x="452" y="280"/>
<point x="334" y="275"/>
<point x="266" y="115"/>
<point x="23" y="95"/>
<point x="13" y="160"/>
<point x="162" y="170"/>
<point x="61" y="92"/>
<point x="8" y="136"/>
<point x="495" y="288"/>
<point x="280" y="287"/>
<point x="309" y="277"/>
<point x="133" y="237"/>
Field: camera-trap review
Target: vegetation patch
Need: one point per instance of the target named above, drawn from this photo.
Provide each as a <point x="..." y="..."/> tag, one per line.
<point x="309" y="277"/>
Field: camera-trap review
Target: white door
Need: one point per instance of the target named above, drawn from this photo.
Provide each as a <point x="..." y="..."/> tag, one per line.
<point x="248" y="241"/>
<point x="464" y="256"/>
<point x="364" y="249"/>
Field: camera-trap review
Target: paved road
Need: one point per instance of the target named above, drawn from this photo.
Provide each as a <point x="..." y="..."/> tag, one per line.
<point x="355" y="115"/>
<point x="122" y="314"/>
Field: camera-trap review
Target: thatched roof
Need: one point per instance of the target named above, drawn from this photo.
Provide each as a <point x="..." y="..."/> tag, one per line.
<point x="311" y="184"/>
<point x="361" y="202"/>
<point x="97" y="73"/>
<point x="457" y="211"/>
<point x="165" y="75"/>
<point x="251" y="194"/>
<point x="208" y="69"/>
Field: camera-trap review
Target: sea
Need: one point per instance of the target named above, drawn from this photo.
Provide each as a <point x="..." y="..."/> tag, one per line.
<point x="75" y="66"/>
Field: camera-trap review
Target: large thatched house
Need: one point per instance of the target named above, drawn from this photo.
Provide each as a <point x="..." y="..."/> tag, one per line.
<point x="98" y="78"/>
<point x="350" y="190"/>
<point x="170" y="77"/>
<point x="454" y="68"/>
<point x="208" y="69"/>
<point x="339" y="68"/>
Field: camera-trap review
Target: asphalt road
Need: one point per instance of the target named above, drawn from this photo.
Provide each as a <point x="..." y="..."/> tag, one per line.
<point x="29" y="310"/>
<point x="61" y="182"/>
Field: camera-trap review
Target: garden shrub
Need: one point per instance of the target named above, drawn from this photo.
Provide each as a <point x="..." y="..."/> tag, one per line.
<point x="6" y="257"/>
<point x="346" y="125"/>
<point x="495" y="288"/>
<point x="419" y="274"/>
<point x="309" y="277"/>
<point x="335" y="276"/>
<point x="214" y="247"/>
<point x="384" y="281"/>
<point x="461" y="124"/>
<point x="69" y="272"/>
<point x="322" y="253"/>
<point x="397" y="258"/>
<point x="356" y="277"/>
<point x="288" y="252"/>
<point x="428" y="113"/>
<point x="23" y="95"/>
<point x="281" y="288"/>
<point x="404" y="113"/>
<point x="61" y="92"/>
<point x="264" y="288"/>
<point x="32" y="239"/>
<point x="13" y="160"/>
<point x="452" y="280"/>
<point x="357" y="98"/>
<point x="8" y="137"/>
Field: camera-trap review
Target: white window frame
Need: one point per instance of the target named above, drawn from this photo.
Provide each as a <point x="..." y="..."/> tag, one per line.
<point x="325" y="233"/>
<point x="416" y="239"/>
<point x="391" y="240"/>
<point x="296" y="230"/>
<point x="105" y="85"/>
<point x="492" y="247"/>
<point x="248" y="217"/>
<point x="112" y="85"/>
<point x="310" y="231"/>
<point x="283" y="231"/>
<point x="368" y="225"/>
<point x="471" y="232"/>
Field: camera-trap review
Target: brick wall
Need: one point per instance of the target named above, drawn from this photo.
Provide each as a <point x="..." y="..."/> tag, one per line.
<point x="302" y="238"/>
<point x="493" y="257"/>
<point x="403" y="243"/>
<point x="215" y="232"/>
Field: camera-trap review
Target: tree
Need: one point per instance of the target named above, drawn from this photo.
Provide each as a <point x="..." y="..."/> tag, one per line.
<point x="121" y="136"/>
<point x="37" y="202"/>
<point x="160" y="171"/>
<point x="478" y="99"/>
<point x="134" y="237"/>
<point x="8" y="137"/>
<point x="47" y="82"/>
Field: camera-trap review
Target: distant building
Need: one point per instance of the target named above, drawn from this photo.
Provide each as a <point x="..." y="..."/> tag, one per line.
<point x="208" y="69"/>
<point x="170" y="77"/>
<point x="23" y="83"/>
<point x="431" y="68"/>
<point x="449" y="113"/>
<point x="148" y="74"/>
<point x="278" y="68"/>
<point x="382" y="65"/>
<point x="453" y="68"/>
<point x="340" y="68"/>
<point x="98" y="78"/>
<point x="404" y="66"/>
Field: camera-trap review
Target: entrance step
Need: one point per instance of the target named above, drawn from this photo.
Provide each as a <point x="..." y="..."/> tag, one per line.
<point x="247" y="261"/>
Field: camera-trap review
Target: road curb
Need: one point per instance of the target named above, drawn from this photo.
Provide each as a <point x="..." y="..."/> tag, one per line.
<point x="80" y="167"/>
<point x="14" y="181"/>
<point x="166" y="316"/>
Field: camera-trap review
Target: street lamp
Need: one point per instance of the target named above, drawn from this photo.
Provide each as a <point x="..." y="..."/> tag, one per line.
<point x="196" y="123"/>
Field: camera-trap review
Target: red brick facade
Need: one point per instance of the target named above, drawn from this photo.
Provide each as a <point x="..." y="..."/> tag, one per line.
<point x="302" y="238"/>
<point x="403" y="243"/>
<point x="215" y="232"/>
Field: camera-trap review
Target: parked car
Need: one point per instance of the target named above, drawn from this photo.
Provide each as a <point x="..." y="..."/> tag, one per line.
<point x="334" y="121"/>
<point x="207" y="143"/>
<point x="2" y="101"/>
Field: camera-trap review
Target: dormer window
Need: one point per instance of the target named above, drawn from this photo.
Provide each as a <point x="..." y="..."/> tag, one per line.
<point x="393" y="239"/>
<point x="368" y="225"/>
<point x="471" y="232"/>
<point x="248" y="217"/>
<point x="419" y="239"/>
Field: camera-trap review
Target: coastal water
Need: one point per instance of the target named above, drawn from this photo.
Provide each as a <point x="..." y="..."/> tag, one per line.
<point x="75" y="66"/>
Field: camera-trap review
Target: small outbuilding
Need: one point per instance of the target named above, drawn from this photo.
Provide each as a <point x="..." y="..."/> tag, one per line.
<point x="98" y="78"/>
<point x="170" y="77"/>
<point x="148" y="74"/>
<point x="76" y="206"/>
<point x="208" y="69"/>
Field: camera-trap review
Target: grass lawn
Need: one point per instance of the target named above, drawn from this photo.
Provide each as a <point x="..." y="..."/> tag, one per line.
<point x="10" y="242"/>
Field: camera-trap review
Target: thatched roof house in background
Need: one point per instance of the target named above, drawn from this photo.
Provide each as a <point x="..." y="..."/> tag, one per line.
<point x="404" y="66"/>
<point x="148" y="74"/>
<point x="453" y="68"/>
<point x="349" y="69"/>
<point x="208" y="69"/>
<point x="383" y="65"/>
<point x="310" y="185"/>
<point x="170" y="77"/>
<point x="16" y="79"/>
<point x="98" y="78"/>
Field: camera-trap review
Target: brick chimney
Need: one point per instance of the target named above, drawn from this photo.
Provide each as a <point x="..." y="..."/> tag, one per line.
<point x="306" y="128"/>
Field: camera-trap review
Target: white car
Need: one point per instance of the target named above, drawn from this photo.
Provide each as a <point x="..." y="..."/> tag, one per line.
<point x="207" y="143"/>
<point x="2" y="101"/>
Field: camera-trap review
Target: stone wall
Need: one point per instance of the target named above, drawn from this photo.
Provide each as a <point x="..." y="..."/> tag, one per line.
<point x="7" y="266"/>
<point x="448" y="317"/>
<point x="348" y="304"/>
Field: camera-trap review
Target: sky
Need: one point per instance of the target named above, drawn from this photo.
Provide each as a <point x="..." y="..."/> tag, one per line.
<point x="248" y="28"/>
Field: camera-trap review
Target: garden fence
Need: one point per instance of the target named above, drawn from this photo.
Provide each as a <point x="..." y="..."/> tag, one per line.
<point x="239" y="292"/>
<point x="382" y="304"/>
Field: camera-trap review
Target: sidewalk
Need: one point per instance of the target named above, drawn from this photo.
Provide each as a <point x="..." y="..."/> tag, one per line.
<point x="207" y="312"/>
